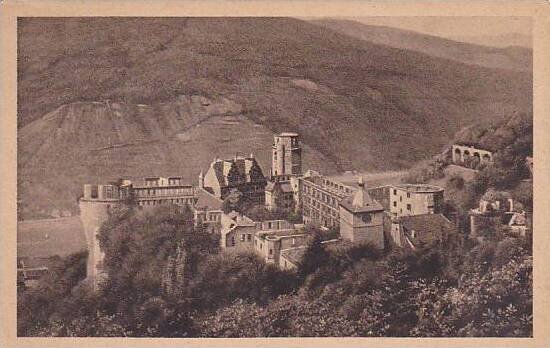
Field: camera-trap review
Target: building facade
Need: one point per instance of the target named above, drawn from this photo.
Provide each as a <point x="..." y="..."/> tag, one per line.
<point x="154" y="191"/>
<point x="319" y="199"/>
<point x="362" y="218"/>
<point x="240" y="173"/>
<point x="269" y="243"/>
<point x="415" y="199"/>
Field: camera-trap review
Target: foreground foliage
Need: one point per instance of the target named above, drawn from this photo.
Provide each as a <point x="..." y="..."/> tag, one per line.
<point x="167" y="278"/>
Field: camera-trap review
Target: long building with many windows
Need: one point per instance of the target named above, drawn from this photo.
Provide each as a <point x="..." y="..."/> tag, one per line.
<point x="319" y="199"/>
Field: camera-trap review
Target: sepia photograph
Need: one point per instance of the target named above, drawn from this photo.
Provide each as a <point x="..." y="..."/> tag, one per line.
<point x="274" y="176"/>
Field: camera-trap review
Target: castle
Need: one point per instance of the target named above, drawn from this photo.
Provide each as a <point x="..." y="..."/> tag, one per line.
<point x="239" y="173"/>
<point x="361" y="215"/>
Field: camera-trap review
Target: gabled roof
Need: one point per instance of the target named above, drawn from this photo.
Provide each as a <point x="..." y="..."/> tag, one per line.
<point x="206" y="200"/>
<point x="243" y="166"/>
<point x="427" y="228"/>
<point x="361" y="202"/>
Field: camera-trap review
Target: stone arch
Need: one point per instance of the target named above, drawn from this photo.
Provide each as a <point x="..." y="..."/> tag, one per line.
<point x="466" y="153"/>
<point x="457" y="155"/>
<point x="486" y="158"/>
<point x="476" y="155"/>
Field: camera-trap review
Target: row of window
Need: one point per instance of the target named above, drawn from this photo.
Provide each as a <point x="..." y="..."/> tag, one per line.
<point x="208" y="217"/>
<point x="164" y="201"/>
<point x="163" y="192"/>
<point x="328" y="199"/>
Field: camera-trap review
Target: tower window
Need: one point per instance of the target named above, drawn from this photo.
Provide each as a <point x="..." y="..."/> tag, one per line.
<point x="408" y="207"/>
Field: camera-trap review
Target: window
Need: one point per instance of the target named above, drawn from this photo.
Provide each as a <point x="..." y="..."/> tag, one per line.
<point x="400" y="198"/>
<point x="249" y="237"/>
<point x="395" y="203"/>
<point x="270" y="251"/>
<point x="395" y="192"/>
<point x="293" y="241"/>
<point x="408" y="207"/>
<point x="408" y="195"/>
<point x="366" y="218"/>
<point x="242" y="237"/>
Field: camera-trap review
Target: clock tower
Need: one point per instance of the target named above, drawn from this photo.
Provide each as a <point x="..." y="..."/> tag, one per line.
<point x="362" y="218"/>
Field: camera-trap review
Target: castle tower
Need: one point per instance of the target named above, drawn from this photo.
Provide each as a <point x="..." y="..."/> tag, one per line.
<point x="362" y="218"/>
<point x="95" y="207"/>
<point x="286" y="155"/>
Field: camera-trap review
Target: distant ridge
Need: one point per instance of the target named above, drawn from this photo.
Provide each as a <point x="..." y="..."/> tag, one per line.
<point x="515" y="57"/>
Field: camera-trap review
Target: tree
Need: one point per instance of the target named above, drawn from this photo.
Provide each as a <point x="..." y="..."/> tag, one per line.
<point x="233" y="201"/>
<point x="314" y="256"/>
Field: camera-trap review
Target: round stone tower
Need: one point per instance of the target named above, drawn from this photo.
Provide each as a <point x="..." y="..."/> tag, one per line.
<point x="95" y="207"/>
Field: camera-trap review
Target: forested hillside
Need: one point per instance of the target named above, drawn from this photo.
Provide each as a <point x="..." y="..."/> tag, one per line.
<point x="167" y="279"/>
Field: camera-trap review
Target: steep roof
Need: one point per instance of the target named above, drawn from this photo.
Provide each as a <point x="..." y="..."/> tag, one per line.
<point x="427" y="228"/>
<point x="233" y="220"/>
<point x="206" y="200"/>
<point x="361" y="201"/>
<point x="243" y="166"/>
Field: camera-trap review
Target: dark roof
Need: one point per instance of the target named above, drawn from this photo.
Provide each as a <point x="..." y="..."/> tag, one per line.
<point x="207" y="200"/>
<point x="427" y="227"/>
<point x="239" y="163"/>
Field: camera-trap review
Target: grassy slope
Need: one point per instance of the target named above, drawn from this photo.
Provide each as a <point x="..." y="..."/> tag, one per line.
<point x="357" y="105"/>
<point x="515" y="58"/>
